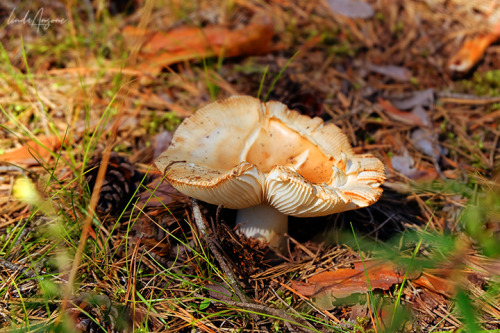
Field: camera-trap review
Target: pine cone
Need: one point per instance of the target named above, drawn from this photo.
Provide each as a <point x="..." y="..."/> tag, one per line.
<point x="120" y="182"/>
<point x="298" y="98"/>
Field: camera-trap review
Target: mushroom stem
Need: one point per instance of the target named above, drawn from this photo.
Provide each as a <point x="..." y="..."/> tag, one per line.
<point x="264" y="223"/>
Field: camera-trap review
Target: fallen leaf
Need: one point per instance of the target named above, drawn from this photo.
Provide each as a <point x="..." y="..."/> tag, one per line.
<point x="471" y="52"/>
<point x="220" y="292"/>
<point x="427" y="142"/>
<point x="405" y="165"/>
<point x="397" y="73"/>
<point x="496" y="28"/>
<point x="160" y="194"/>
<point x="351" y="8"/>
<point x="161" y="141"/>
<point x="32" y="152"/>
<point x="161" y="49"/>
<point x="424" y="98"/>
<point x="422" y="114"/>
<point x="396" y="114"/>
<point x="436" y="284"/>
<point x="325" y="288"/>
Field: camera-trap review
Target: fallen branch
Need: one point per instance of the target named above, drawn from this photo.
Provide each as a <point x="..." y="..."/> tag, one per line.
<point x="15" y="267"/>
<point x="198" y="218"/>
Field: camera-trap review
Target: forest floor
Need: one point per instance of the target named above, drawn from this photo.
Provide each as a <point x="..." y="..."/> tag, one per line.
<point x="91" y="93"/>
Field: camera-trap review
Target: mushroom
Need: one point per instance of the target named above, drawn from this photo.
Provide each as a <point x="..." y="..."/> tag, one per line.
<point x="268" y="162"/>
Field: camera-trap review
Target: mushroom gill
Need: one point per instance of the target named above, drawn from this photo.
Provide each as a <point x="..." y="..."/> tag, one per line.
<point x="268" y="162"/>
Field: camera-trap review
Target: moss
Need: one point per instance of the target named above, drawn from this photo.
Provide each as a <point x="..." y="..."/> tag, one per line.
<point x="342" y="49"/>
<point x="380" y="16"/>
<point x="249" y="66"/>
<point x="483" y="84"/>
<point x="398" y="28"/>
<point x="168" y="121"/>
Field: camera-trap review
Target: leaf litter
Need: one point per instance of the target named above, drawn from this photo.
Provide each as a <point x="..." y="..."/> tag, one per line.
<point x="153" y="267"/>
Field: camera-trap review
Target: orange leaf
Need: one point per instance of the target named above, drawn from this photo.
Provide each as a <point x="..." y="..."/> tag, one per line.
<point x="186" y="43"/>
<point x="496" y="28"/>
<point x="471" y="52"/>
<point x="396" y="114"/>
<point x="326" y="287"/>
<point x="32" y="151"/>
<point x="435" y="284"/>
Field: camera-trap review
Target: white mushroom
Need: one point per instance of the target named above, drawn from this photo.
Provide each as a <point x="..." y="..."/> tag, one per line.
<point x="268" y="162"/>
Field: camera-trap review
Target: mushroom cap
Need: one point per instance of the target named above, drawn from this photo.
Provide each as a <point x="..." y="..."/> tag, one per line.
<point x="239" y="152"/>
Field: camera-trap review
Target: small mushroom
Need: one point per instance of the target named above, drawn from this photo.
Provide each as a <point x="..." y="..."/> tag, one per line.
<point x="268" y="162"/>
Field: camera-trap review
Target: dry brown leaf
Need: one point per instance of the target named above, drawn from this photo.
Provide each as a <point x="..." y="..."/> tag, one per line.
<point x="398" y="115"/>
<point x="326" y="287"/>
<point x="160" y="194"/>
<point x="32" y="152"/>
<point x="187" y="43"/>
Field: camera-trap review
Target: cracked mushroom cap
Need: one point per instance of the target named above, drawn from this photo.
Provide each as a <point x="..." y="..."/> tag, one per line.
<point x="240" y="152"/>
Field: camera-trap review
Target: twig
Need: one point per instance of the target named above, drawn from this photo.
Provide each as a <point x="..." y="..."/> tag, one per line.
<point x="467" y="99"/>
<point x="273" y="312"/>
<point x="15" y="267"/>
<point x="5" y="168"/>
<point x="198" y="218"/>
